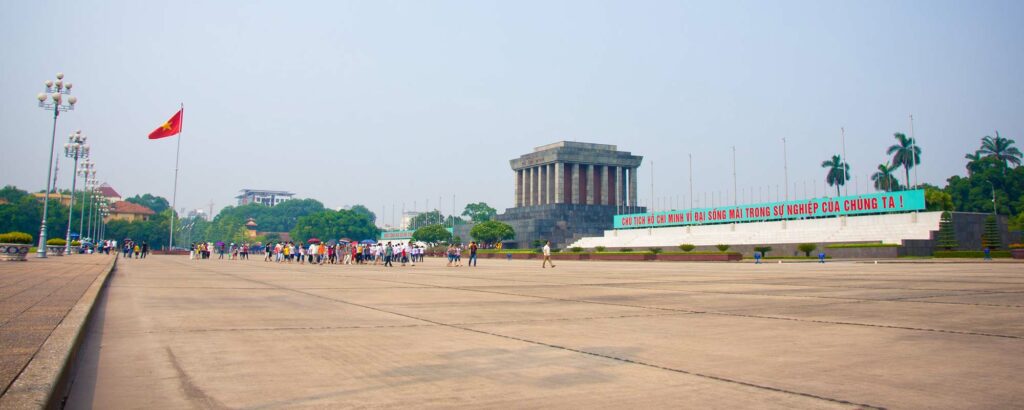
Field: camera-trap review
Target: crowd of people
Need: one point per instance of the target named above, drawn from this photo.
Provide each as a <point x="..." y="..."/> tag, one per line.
<point x="334" y="253"/>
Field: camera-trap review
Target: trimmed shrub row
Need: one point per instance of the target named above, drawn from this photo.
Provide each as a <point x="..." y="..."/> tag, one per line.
<point x="16" y="237"/>
<point x="970" y="254"/>
<point x="861" y="245"/>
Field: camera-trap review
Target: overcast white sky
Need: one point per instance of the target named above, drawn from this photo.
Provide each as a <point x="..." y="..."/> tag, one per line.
<point x="385" y="102"/>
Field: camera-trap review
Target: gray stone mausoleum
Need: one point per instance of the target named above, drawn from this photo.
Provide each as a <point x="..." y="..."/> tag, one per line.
<point x="567" y="190"/>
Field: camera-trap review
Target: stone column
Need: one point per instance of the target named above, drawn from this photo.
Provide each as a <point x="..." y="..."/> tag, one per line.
<point x="575" y="183"/>
<point x="619" y="174"/>
<point x="534" y="192"/>
<point x="519" y="187"/>
<point x="542" y="184"/>
<point x="632" y="186"/>
<point x="559" y="182"/>
<point x="590" y="184"/>
<point x="604" y="186"/>
<point x="549" y="182"/>
<point x="528" y="196"/>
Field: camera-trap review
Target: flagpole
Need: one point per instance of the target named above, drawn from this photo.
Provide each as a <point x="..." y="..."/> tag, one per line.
<point x="177" y="157"/>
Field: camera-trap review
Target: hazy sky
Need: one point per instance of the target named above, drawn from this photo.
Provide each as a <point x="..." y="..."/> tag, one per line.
<point x="382" y="102"/>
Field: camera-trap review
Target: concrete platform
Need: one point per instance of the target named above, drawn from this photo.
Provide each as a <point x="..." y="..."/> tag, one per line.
<point x="44" y="304"/>
<point x="174" y="333"/>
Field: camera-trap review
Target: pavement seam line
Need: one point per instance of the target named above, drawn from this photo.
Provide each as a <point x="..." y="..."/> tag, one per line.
<point x="594" y="354"/>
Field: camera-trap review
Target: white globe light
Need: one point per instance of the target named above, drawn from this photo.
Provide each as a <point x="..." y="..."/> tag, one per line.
<point x="48" y="83"/>
<point x="68" y="86"/>
<point x="60" y="84"/>
<point x="72" y="99"/>
<point x="55" y="97"/>
<point x="60" y="76"/>
<point x="41" y="97"/>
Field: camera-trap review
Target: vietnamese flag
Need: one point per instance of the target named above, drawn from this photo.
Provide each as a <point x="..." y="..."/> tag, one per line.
<point x="169" y="128"/>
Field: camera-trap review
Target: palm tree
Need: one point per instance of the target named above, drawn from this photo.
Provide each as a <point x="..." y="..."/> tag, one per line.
<point x="1000" y="148"/>
<point x="971" y="160"/>
<point x="905" y="153"/>
<point x="883" y="178"/>
<point x="838" y="172"/>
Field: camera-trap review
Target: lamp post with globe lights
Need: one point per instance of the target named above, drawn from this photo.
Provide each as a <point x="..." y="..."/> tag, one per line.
<point x="75" y="148"/>
<point x="85" y="171"/>
<point x="52" y="99"/>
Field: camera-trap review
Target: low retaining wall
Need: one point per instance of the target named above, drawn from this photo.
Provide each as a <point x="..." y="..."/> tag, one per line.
<point x="682" y="257"/>
<point x="1017" y="253"/>
<point x="174" y="252"/>
<point x="612" y="256"/>
<point x="46" y="380"/>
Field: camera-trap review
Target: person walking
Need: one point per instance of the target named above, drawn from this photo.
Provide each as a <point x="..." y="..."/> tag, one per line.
<point x="388" y="253"/>
<point x="472" y="254"/>
<point x="547" y="255"/>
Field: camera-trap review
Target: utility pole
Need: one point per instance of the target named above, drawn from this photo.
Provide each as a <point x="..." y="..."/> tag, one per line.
<point x="785" y="166"/>
<point x="691" y="181"/>
<point x="735" y="192"/>
<point x="842" y="166"/>
<point x="913" y="151"/>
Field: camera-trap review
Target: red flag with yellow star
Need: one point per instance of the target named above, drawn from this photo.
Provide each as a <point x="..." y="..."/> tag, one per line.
<point x="169" y="128"/>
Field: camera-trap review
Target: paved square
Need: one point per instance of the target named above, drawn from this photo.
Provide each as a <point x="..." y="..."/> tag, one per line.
<point x="176" y="333"/>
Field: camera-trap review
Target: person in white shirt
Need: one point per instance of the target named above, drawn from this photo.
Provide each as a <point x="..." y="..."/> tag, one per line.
<point x="547" y="255"/>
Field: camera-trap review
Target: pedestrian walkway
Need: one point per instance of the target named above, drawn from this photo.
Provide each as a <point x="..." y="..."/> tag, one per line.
<point x="35" y="297"/>
<point x="174" y="333"/>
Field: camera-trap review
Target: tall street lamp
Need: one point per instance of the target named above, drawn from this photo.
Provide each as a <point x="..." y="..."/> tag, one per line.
<point x="75" y="148"/>
<point x="84" y="171"/>
<point x="55" y="91"/>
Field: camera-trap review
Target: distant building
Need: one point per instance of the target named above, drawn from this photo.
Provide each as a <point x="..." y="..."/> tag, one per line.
<point x="63" y="198"/>
<point x="259" y="196"/>
<point x="198" y="213"/>
<point x="407" y="218"/>
<point x="108" y="192"/>
<point x="128" y="211"/>
<point x="568" y="190"/>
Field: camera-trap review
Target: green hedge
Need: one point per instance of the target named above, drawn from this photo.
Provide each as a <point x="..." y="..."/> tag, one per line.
<point x="504" y="251"/>
<point x="805" y="258"/>
<point x="699" y="253"/>
<point x="16" y="237"/>
<point x="861" y="245"/>
<point x="56" y="242"/>
<point x="970" y="254"/>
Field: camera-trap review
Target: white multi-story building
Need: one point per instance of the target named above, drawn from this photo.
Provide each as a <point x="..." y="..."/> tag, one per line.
<point x="260" y="196"/>
<point x="407" y="217"/>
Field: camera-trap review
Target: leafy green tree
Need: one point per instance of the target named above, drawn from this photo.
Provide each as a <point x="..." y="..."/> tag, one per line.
<point x="974" y="193"/>
<point x="425" y="219"/>
<point x="884" y="180"/>
<point x="937" y="200"/>
<point x="1001" y="149"/>
<point x="905" y="153"/>
<point x="838" y="172"/>
<point x="479" y="212"/>
<point x="972" y="160"/>
<point x="947" y="232"/>
<point x="453" y="220"/>
<point x="490" y="232"/>
<point x="360" y="209"/>
<point x="157" y="203"/>
<point x="11" y="194"/>
<point x="807" y="248"/>
<point x="328" y="224"/>
<point x="282" y="217"/>
<point x="686" y="247"/>
<point x="432" y="234"/>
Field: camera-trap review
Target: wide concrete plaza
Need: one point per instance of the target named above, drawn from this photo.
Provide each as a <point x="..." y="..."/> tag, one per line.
<point x="175" y="333"/>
